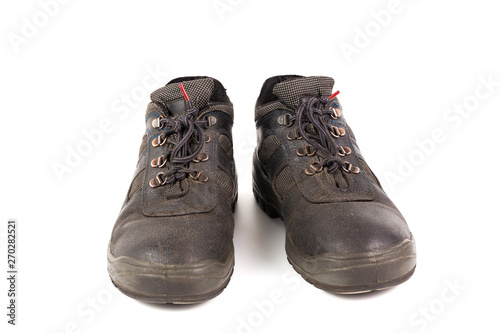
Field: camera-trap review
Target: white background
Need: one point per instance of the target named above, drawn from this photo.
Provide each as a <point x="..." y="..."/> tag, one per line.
<point x="77" y="68"/>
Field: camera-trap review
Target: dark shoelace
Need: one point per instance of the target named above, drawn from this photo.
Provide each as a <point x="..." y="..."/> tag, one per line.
<point x="185" y="137"/>
<point x="189" y="132"/>
<point x="313" y="112"/>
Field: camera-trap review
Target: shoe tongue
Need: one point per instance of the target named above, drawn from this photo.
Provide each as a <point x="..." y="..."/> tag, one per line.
<point x="291" y="91"/>
<point x="171" y="97"/>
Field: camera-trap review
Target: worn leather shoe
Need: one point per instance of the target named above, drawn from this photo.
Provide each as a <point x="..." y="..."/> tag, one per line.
<point x="172" y="241"/>
<point x="343" y="234"/>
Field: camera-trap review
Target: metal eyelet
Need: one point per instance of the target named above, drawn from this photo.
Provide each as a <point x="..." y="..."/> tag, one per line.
<point x="212" y="120"/>
<point x="306" y="151"/>
<point x="293" y="135"/>
<point x="284" y="120"/>
<point x="343" y="151"/>
<point x="208" y="139"/>
<point x="198" y="176"/>
<point x="336" y="112"/>
<point x="348" y="167"/>
<point x="310" y="151"/>
<point x="202" y="157"/>
<point x="157" y="181"/>
<point x="156" y="123"/>
<point x="313" y="168"/>
<point x="337" y="131"/>
<point x="158" y="162"/>
<point x="156" y="142"/>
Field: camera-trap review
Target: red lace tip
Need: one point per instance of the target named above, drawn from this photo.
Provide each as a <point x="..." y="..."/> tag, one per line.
<point x="186" y="97"/>
<point x="334" y="94"/>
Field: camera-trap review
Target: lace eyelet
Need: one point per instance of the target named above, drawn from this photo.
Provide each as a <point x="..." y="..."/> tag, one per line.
<point x="337" y="131"/>
<point x="313" y="168"/>
<point x="310" y="151"/>
<point x="208" y="139"/>
<point x="202" y="157"/>
<point x="156" y="123"/>
<point x="336" y="112"/>
<point x="284" y="120"/>
<point x="343" y="151"/>
<point x="306" y="151"/>
<point x="293" y="135"/>
<point x="212" y="120"/>
<point x="157" y="181"/>
<point x="348" y="167"/>
<point x="158" y="162"/>
<point x="198" y="176"/>
<point x="156" y="142"/>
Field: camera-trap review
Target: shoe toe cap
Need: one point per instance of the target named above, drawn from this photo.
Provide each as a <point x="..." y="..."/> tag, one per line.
<point x="351" y="227"/>
<point x="172" y="241"/>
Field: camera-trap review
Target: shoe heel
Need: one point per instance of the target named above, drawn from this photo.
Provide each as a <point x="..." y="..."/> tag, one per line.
<point x="264" y="194"/>
<point x="271" y="212"/>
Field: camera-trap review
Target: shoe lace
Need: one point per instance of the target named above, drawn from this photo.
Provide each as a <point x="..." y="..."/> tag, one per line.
<point x="185" y="137"/>
<point x="315" y="124"/>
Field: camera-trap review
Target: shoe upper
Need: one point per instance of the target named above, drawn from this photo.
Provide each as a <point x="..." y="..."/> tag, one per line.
<point x="178" y="208"/>
<point x="308" y="156"/>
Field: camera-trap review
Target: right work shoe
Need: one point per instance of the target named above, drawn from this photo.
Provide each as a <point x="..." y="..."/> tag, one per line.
<point x="343" y="234"/>
<point x="172" y="241"/>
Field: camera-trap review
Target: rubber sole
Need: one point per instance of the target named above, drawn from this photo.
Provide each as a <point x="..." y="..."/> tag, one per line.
<point x="175" y="284"/>
<point x="355" y="273"/>
<point x="342" y="273"/>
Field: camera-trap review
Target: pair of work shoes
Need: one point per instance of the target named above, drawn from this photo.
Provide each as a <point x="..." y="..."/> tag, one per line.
<point x="173" y="239"/>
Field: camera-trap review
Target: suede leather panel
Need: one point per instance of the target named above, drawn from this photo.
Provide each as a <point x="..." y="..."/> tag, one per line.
<point x="344" y="227"/>
<point x="175" y="239"/>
